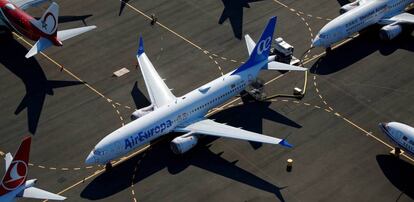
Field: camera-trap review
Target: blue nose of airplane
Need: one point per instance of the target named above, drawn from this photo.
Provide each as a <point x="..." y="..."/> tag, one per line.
<point x="91" y="159"/>
<point x="316" y="42"/>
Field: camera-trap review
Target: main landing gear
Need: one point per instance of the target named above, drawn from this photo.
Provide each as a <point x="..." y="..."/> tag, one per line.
<point x="108" y="166"/>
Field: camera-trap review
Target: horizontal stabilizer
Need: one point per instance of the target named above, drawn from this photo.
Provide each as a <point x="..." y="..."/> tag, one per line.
<point x="8" y="158"/>
<point x="283" y="67"/>
<point x="250" y="44"/>
<point x="40" y="45"/>
<point x="36" y="193"/>
<point x="260" y="53"/>
<point x="69" y="33"/>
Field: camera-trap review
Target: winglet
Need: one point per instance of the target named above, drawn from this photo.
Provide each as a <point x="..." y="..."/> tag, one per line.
<point x="141" y="46"/>
<point x="285" y="143"/>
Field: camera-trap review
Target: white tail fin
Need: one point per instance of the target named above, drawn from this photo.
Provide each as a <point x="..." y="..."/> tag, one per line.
<point x="16" y="172"/>
<point x="49" y="22"/>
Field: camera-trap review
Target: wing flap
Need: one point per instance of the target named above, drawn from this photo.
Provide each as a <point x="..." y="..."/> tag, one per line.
<point x="158" y="91"/>
<point x="36" y="193"/>
<point x="210" y="127"/>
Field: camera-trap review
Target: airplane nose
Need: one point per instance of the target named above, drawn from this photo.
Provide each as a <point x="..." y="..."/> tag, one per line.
<point x="383" y="126"/>
<point x="91" y="159"/>
<point x="316" y="42"/>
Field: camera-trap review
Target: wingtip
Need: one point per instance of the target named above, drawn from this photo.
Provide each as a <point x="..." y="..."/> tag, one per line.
<point x="141" y="46"/>
<point x="274" y="18"/>
<point x="285" y="143"/>
<point x="29" y="55"/>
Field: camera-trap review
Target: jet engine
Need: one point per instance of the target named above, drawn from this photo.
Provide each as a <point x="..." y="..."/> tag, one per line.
<point x="142" y="112"/>
<point x="182" y="144"/>
<point x="347" y="7"/>
<point x="389" y="32"/>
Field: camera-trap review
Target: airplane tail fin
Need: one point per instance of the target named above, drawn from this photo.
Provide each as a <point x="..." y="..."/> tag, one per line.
<point x="49" y="22"/>
<point x="271" y="65"/>
<point x="16" y="171"/>
<point x="261" y="51"/>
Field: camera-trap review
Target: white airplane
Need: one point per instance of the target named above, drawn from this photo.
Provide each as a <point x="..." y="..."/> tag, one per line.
<point x="44" y="31"/>
<point x="14" y="183"/>
<point x="361" y="14"/>
<point x="401" y="134"/>
<point x="186" y="114"/>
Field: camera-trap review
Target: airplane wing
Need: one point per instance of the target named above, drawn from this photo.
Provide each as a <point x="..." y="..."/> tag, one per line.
<point x="403" y="18"/>
<point x="8" y="158"/>
<point x="25" y="4"/>
<point x="272" y="65"/>
<point x="158" y="91"/>
<point x="210" y="127"/>
<point x="36" y="193"/>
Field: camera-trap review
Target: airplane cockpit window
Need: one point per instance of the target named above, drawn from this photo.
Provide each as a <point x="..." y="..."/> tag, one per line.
<point x="323" y="36"/>
<point x="98" y="152"/>
<point x="10" y="6"/>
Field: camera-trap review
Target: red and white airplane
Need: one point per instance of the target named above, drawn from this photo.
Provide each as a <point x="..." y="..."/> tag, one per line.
<point x="44" y="30"/>
<point x="14" y="183"/>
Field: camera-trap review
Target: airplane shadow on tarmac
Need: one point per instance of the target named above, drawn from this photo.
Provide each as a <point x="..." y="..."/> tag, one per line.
<point x="160" y="157"/>
<point x="343" y="2"/>
<point x="71" y="18"/>
<point x="30" y="72"/>
<point x="360" y="47"/>
<point x="122" y="7"/>
<point x="233" y="10"/>
<point x="140" y="99"/>
<point x="399" y="172"/>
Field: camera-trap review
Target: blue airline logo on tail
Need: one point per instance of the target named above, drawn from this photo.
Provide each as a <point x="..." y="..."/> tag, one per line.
<point x="261" y="51"/>
<point x="264" y="45"/>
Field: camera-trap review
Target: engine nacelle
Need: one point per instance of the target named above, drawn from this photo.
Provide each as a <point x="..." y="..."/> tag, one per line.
<point x="182" y="144"/>
<point x="142" y="112"/>
<point x="347" y="7"/>
<point x="389" y="32"/>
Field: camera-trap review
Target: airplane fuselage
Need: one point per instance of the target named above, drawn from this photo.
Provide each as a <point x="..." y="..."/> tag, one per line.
<point x="17" y="20"/>
<point x="401" y="134"/>
<point x="367" y="14"/>
<point x="193" y="105"/>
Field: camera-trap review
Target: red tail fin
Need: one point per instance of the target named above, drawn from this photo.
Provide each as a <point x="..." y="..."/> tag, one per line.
<point x="17" y="171"/>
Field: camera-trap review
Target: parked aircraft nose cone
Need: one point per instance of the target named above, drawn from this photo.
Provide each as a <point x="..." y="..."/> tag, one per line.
<point x="383" y="127"/>
<point x="316" y="42"/>
<point x="90" y="159"/>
